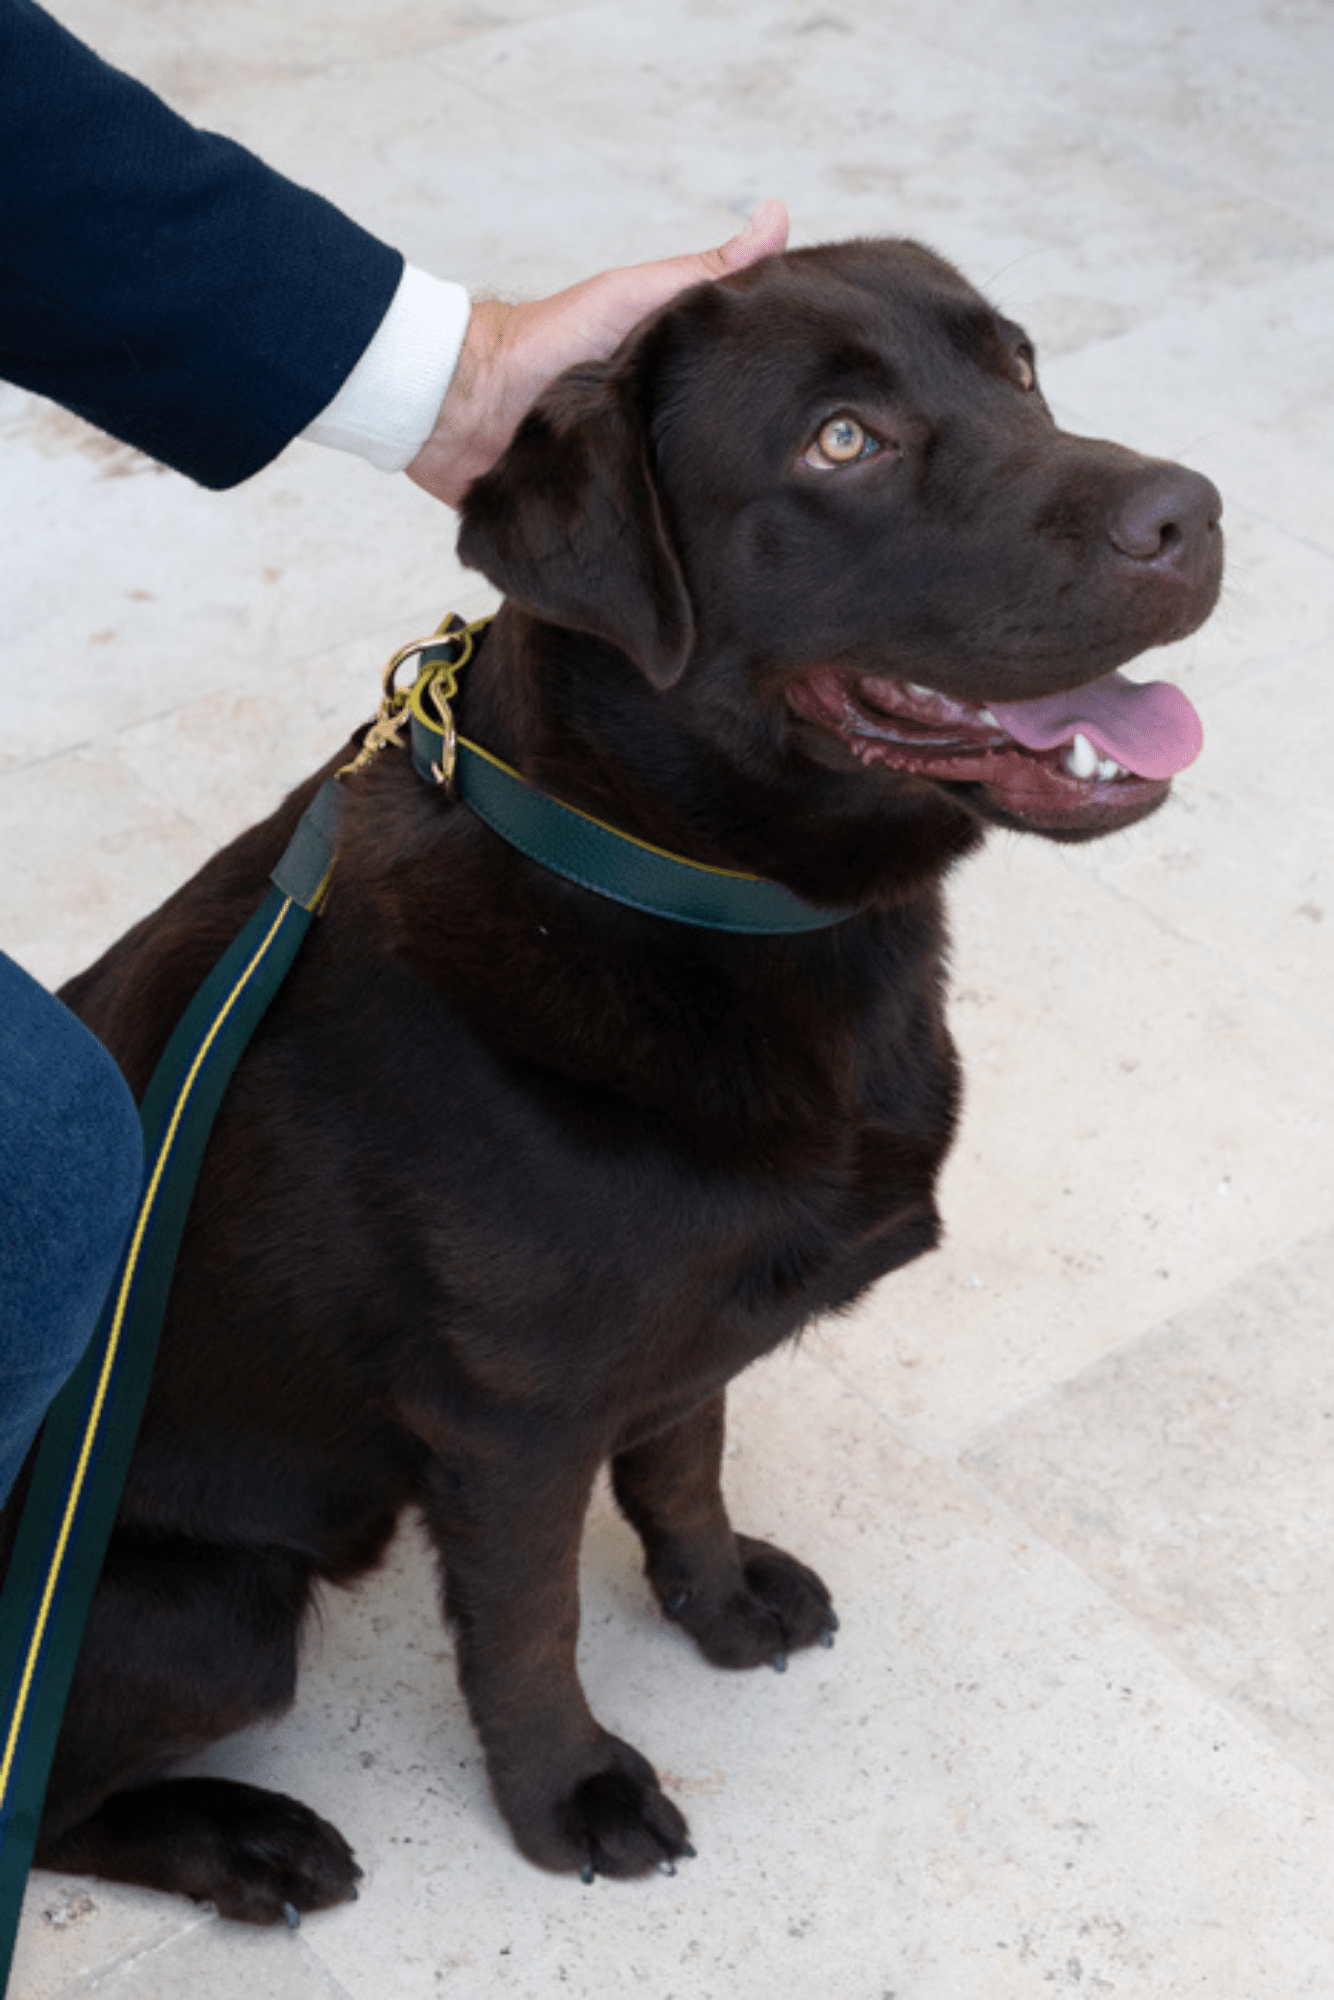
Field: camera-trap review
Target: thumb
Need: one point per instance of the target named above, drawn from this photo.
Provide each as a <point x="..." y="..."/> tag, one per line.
<point x="650" y="285"/>
<point x="763" y="236"/>
<point x="616" y="300"/>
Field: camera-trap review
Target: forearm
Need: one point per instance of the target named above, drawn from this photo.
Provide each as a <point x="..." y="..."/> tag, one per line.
<point x="161" y="281"/>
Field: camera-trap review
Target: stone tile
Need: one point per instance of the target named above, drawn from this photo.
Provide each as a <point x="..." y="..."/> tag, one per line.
<point x="1243" y="864"/>
<point x="73" y="1928"/>
<point x="1192" y="1474"/>
<point x="1246" y="395"/>
<point x="992" y="1785"/>
<point x="1239" y="91"/>
<point x="85" y="854"/>
<point x="181" y="592"/>
<point x="225" y="761"/>
<point x="1140" y="1125"/>
<point x="190" y="54"/>
<point x="1277" y="602"/>
<point x="262" y="1965"/>
<point x="868" y="125"/>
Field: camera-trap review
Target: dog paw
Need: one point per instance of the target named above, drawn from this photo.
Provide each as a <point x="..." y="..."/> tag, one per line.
<point x="614" y="1820"/>
<point x="776" y="1607"/>
<point x="280" y="1862"/>
<point x="257" y="1856"/>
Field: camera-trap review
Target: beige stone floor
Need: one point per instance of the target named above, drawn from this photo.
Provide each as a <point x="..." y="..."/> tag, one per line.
<point x="1072" y="1479"/>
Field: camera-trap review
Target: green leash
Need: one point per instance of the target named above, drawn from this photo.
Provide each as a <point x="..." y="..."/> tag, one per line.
<point x="90" y="1429"/>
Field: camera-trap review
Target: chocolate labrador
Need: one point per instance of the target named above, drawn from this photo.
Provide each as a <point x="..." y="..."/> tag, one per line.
<point x="805" y="584"/>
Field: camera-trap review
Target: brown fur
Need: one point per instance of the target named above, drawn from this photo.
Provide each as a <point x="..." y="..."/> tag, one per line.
<point x="513" y="1180"/>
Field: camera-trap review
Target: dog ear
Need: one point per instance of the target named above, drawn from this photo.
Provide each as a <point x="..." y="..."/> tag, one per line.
<point x="569" y="524"/>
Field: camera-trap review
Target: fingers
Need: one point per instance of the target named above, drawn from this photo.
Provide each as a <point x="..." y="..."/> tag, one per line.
<point x="511" y="352"/>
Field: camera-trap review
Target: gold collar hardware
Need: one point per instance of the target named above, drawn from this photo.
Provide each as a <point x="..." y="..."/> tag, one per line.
<point x="440" y="659"/>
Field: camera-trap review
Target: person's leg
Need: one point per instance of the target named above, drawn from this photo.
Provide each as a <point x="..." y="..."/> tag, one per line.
<point x="71" y="1158"/>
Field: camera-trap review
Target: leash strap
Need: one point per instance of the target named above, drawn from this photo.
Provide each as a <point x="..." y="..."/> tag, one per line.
<point x="90" y="1429"/>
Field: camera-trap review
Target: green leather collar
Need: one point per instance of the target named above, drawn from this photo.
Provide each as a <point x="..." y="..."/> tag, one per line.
<point x="572" y="843"/>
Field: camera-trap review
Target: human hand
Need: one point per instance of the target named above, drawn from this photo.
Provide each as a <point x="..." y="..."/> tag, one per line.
<point x="511" y="352"/>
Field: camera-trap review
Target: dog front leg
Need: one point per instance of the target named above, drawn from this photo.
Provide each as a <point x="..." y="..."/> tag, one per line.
<point x="743" y="1601"/>
<point x="574" y="1796"/>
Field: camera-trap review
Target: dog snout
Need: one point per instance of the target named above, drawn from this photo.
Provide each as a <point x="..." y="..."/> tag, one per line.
<point x="1169" y="517"/>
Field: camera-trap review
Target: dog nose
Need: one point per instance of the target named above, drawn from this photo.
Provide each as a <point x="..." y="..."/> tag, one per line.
<point x="1170" y="511"/>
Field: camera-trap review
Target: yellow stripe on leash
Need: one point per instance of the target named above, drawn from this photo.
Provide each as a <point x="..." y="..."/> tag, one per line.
<point x="113" y="1347"/>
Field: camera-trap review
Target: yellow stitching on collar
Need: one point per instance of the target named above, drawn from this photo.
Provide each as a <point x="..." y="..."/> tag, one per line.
<point x="663" y="853"/>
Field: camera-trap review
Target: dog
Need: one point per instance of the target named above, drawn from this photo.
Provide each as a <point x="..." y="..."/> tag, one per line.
<point x="803" y="583"/>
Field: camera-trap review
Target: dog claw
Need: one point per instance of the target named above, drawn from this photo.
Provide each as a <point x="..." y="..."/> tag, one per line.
<point x="780" y="1663"/>
<point x="291" y="1916"/>
<point x="687" y="1852"/>
<point x="588" y="1874"/>
<point x="827" y="1637"/>
<point x="666" y="1867"/>
<point x="676" y="1603"/>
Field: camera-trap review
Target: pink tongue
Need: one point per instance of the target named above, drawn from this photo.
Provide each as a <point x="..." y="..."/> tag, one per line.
<point x="1150" y="728"/>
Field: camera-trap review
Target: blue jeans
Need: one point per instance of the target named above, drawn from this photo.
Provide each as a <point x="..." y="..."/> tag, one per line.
<point x="71" y="1159"/>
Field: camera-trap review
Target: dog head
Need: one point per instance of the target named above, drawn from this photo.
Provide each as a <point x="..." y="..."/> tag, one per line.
<point x="828" y="489"/>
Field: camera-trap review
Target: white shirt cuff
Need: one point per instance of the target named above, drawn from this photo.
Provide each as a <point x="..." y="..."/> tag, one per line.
<point x="387" y="408"/>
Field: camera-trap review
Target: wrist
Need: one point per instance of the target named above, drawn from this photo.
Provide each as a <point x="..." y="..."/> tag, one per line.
<point x="388" y="405"/>
<point x="470" y="428"/>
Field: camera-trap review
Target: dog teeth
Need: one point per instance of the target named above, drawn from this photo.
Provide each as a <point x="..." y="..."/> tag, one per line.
<point x="1081" y="759"/>
<point x="984" y="715"/>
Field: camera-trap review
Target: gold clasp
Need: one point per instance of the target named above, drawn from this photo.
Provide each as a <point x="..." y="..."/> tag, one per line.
<point x="443" y="769"/>
<point x="386" y="728"/>
<point x="438" y="677"/>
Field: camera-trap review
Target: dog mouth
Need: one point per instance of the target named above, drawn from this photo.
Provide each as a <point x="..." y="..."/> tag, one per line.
<point x="1092" y="757"/>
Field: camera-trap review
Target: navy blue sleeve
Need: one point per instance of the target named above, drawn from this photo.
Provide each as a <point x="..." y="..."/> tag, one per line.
<point x="159" y="280"/>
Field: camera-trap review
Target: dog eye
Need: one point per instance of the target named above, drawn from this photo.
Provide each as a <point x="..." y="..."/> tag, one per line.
<point x="1024" y="369"/>
<point x="840" y="442"/>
